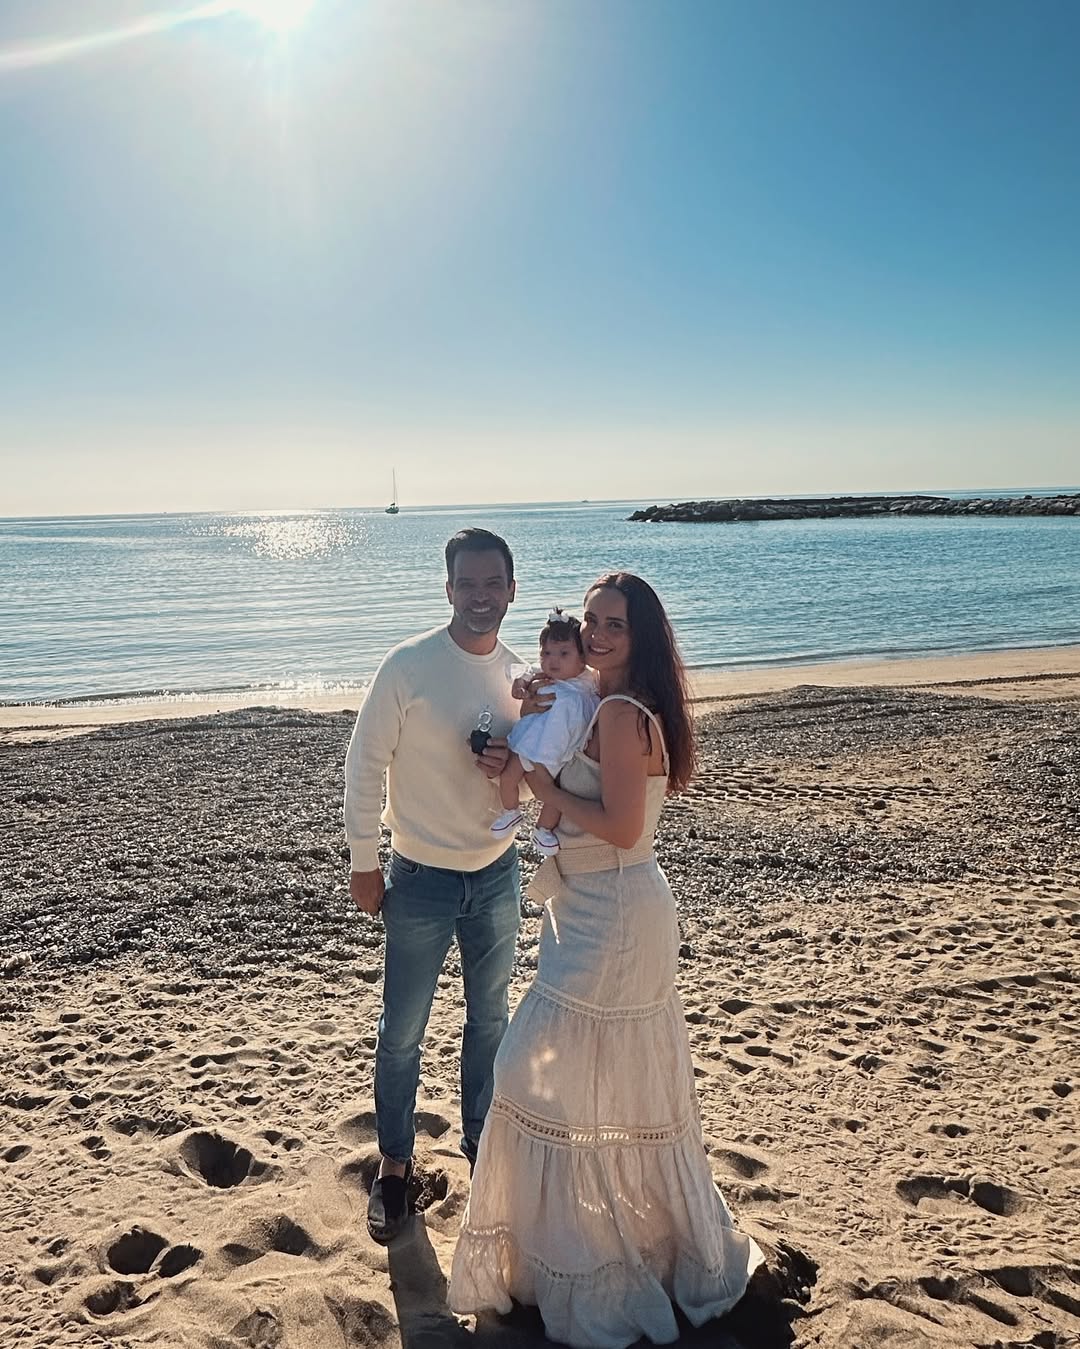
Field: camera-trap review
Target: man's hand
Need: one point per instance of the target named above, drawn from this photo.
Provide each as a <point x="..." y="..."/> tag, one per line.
<point x="367" y="889"/>
<point x="532" y="699"/>
<point x="493" y="760"/>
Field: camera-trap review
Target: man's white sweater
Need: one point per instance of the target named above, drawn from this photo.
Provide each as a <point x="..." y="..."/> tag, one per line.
<point x="413" y="727"/>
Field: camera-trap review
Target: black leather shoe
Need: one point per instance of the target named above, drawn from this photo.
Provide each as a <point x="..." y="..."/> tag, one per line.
<point x="388" y="1206"/>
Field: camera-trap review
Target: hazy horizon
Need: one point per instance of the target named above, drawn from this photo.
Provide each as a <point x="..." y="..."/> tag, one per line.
<point x="454" y="506"/>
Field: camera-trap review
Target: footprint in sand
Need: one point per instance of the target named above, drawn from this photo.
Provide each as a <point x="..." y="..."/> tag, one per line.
<point x="952" y="1290"/>
<point x="108" y="1297"/>
<point x="275" y="1138"/>
<point x="145" y="1126"/>
<point x="1029" y="1281"/>
<point x="740" y="1164"/>
<point x="217" y="1161"/>
<point x="985" y="1194"/>
<point x="176" y="1259"/>
<point x="982" y="1293"/>
<point x="96" y="1147"/>
<point x="141" y="1256"/>
<point x="360" y="1321"/>
<point x="950" y="1130"/>
<point x="743" y="1178"/>
<point x="25" y="1100"/>
<point x="360" y="1129"/>
<point x="767" y="1052"/>
<point x="277" y="1233"/>
<point x="135" y="1251"/>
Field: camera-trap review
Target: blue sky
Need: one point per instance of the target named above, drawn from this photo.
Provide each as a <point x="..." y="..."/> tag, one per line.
<point x="536" y="249"/>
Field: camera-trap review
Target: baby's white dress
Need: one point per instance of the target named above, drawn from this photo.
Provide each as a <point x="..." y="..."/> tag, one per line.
<point x="552" y="738"/>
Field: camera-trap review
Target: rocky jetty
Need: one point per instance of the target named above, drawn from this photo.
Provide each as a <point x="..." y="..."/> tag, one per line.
<point x="822" y="508"/>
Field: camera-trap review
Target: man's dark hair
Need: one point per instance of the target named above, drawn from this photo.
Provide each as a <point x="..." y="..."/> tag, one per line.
<point x="562" y="628"/>
<point x="478" y="541"/>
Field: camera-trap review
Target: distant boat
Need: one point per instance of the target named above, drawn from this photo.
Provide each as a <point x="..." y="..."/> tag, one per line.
<point x="392" y="509"/>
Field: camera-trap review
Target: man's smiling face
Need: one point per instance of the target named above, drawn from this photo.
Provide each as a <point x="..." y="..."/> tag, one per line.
<point x="480" y="593"/>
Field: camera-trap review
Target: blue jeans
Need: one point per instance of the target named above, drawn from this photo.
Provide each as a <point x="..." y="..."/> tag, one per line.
<point x="423" y="909"/>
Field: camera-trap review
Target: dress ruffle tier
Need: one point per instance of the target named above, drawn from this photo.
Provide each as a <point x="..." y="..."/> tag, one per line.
<point x="604" y="1224"/>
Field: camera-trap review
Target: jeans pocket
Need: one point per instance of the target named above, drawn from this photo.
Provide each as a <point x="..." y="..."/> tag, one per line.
<point x="402" y="867"/>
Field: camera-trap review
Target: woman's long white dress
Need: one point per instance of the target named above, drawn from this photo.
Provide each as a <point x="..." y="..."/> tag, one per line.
<point x="592" y="1197"/>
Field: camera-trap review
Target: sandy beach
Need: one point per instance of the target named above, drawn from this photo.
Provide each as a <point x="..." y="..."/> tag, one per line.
<point x="878" y="878"/>
<point x="1039" y="672"/>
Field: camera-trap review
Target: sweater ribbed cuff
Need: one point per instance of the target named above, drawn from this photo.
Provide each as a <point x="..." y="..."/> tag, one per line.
<point x="364" y="856"/>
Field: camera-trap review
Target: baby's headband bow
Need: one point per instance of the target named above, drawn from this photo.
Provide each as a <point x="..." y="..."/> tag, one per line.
<point x="556" y="615"/>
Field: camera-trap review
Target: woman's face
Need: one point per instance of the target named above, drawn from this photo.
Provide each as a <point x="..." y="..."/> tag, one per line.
<point x="605" y="631"/>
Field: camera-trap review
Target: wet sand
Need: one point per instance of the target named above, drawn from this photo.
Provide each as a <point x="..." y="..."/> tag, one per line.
<point x="879" y="896"/>
<point x="1041" y="672"/>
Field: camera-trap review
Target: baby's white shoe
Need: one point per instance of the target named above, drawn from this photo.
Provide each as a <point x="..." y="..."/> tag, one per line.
<point x="545" y="841"/>
<point x="506" y="823"/>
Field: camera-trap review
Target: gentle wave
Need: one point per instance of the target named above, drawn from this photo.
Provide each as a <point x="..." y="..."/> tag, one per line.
<point x="190" y="606"/>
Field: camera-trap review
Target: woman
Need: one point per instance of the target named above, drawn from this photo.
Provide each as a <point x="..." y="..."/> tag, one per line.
<point x="592" y="1197"/>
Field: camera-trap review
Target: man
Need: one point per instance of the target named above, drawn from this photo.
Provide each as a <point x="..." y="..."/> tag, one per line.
<point x="449" y="876"/>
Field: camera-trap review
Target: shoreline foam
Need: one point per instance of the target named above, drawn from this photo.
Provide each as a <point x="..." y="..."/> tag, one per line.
<point x="1029" y="673"/>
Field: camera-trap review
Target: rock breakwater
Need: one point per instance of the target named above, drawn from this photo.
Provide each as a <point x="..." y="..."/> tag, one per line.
<point x="735" y="509"/>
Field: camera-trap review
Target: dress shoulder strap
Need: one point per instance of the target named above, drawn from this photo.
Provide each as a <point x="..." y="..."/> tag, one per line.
<point x="626" y="698"/>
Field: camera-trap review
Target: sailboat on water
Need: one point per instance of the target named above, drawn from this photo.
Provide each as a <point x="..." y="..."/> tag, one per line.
<point x="392" y="509"/>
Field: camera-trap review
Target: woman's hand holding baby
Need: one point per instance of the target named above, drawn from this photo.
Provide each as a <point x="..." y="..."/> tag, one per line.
<point x="533" y="699"/>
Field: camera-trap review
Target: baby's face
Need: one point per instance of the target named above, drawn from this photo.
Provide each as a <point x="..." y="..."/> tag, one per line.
<point x="561" y="660"/>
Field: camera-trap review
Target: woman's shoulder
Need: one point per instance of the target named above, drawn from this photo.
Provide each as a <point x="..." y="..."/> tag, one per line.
<point x="624" y="705"/>
<point x="623" y="714"/>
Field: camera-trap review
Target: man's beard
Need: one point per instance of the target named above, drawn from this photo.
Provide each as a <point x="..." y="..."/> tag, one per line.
<point x="481" y="623"/>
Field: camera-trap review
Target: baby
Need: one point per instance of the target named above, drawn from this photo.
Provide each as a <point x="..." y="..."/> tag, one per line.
<point x="553" y="737"/>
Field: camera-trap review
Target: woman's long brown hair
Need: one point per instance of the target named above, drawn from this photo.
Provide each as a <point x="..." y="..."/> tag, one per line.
<point x="657" y="675"/>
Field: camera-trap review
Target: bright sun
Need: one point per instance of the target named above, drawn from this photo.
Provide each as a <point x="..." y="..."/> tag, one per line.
<point x="280" y="15"/>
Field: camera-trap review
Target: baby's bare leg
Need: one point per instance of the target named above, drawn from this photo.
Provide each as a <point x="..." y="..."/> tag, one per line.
<point x="510" y="782"/>
<point x="549" y="816"/>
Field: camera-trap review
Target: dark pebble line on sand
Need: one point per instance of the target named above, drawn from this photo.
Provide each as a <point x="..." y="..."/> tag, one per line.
<point x="216" y="843"/>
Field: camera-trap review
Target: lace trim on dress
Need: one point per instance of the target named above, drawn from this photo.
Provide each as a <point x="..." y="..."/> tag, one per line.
<point x="594" y="1011"/>
<point x="629" y="1272"/>
<point x="588" y="1135"/>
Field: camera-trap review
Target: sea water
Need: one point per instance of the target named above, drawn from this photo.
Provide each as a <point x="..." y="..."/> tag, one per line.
<point x="169" y="605"/>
